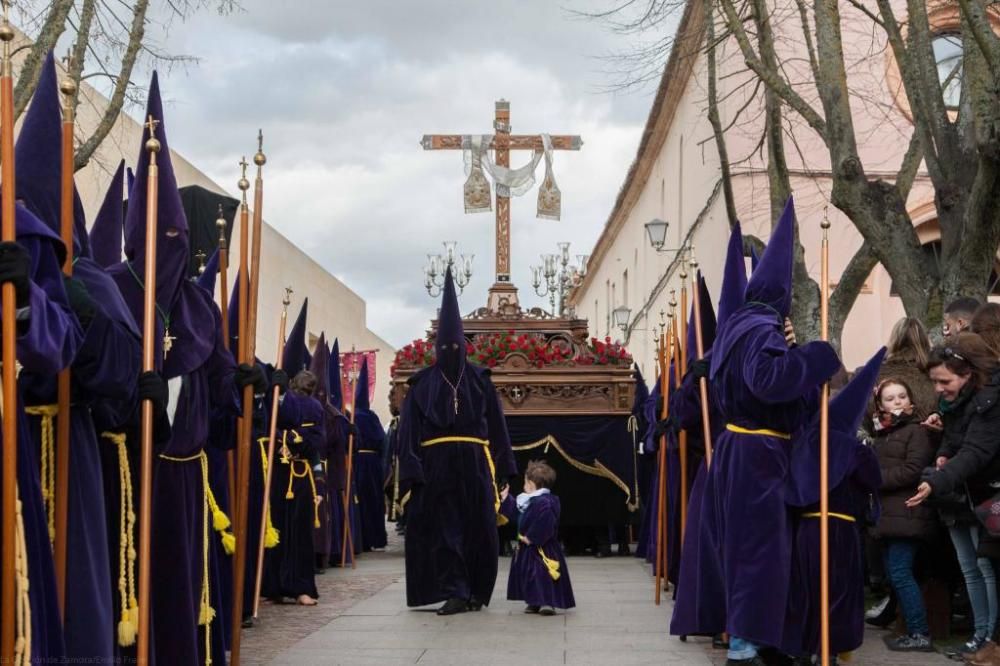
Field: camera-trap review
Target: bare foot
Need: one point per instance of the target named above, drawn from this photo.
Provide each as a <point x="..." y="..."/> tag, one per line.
<point x="306" y="600"/>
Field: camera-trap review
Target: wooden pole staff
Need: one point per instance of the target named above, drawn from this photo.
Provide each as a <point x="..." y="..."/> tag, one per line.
<point x="706" y="421"/>
<point x="220" y="224"/>
<point x="248" y="322"/>
<point x="824" y="456"/>
<point x="272" y="434"/>
<point x="148" y="365"/>
<point x="667" y="346"/>
<point x="244" y="429"/>
<point x="68" y="88"/>
<point x="348" y="539"/>
<point x="7" y="583"/>
<point x="681" y="351"/>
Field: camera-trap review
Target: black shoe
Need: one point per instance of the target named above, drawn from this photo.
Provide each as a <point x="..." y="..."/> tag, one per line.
<point x="624" y="550"/>
<point x="247" y="622"/>
<point x="603" y="551"/>
<point x="453" y="607"/>
<point x="531" y="610"/>
<point x="474" y="605"/>
<point x="547" y="610"/>
<point x="719" y="643"/>
<point x="319" y="571"/>
<point x="752" y="661"/>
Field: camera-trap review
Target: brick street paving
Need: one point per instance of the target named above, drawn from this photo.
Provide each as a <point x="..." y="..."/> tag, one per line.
<point x="362" y="619"/>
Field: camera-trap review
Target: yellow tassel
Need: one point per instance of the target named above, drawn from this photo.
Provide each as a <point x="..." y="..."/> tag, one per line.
<point x="47" y="414"/>
<point x="220" y="521"/>
<point x="228" y="542"/>
<point x="127" y="630"/>
<point x="289" y="494"/>
<point x="551" y="565"/>
<point x="271" y="538"/>
<point x="207" y="614"/>
<point x="502" y="520"/>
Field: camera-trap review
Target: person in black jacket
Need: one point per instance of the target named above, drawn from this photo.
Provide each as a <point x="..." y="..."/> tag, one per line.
<point x="964" y="372"/>
<point x="903" y="448"/>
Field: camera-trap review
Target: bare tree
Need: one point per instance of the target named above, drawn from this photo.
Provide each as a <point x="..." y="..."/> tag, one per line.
<point x="109" y="38"/>
<point x="958" y="146"/>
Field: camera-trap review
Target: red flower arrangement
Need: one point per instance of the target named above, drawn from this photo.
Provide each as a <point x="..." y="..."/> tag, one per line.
<point x="492" y="349"/>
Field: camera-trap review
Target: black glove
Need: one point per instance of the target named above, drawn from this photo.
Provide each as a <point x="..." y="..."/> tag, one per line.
<point x="251" y="375"/>
<point x="353" y="430"/>
<point x="15" y="266"/>
<point x="699" y="369"/>
<point x="80" y="300"/>
<point x="663" y="427"/>
<point x="279" y="378"/>
<point x="152" y="387"/>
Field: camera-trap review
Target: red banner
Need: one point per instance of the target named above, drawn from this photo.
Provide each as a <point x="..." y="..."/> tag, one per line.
<point x="351" y="362"/>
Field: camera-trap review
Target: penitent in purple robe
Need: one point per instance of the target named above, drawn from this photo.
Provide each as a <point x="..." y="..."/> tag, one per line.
<point x="854" y="476"/>
<point x="103" y="371"/>
<point x="200" y="376"/>
<point x="289" y="567"/>
<point x="453" y="445"/>
<point x="530" y="579"/>
<point x="47" y="342"/>
<point x="760" y="385"/>
<point x="370" y="474"/>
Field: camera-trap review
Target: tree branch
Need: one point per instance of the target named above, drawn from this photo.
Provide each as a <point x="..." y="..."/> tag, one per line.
<point x="979" y="24"/>
<point x="713" y="118"/>
<point x="911" y="163"/>
<point x="85" y="151"/>
<point x="770" y="77"/>
<point x="55" y="24"/>
<point x="80" y="47"/>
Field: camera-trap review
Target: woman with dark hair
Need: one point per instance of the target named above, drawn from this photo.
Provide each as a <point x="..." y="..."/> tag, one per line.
<point x="962" y="371"/>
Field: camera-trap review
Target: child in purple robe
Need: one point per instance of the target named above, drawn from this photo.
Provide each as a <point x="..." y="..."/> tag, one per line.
<point x="538" y="574"/>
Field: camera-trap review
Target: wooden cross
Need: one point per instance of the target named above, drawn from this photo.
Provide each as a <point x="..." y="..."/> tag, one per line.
<point x="503" y="142"/>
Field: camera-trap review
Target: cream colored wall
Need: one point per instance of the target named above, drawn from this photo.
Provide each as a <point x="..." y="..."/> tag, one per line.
<point x="333" y="307"/>
<point x="882" y="130"/>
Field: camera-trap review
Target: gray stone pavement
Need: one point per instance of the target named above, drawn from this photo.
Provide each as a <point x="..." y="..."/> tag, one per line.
<point x="362" y="619"/>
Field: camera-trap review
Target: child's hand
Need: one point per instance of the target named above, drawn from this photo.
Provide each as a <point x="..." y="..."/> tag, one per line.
<point x="504" y="492"/>
<point x="523" y="539"/>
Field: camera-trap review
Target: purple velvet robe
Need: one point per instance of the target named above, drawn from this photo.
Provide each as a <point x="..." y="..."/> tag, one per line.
<point x="529" y="579"/>
<point x="103" y="371"/>
<point x="452" y="546"/>
<point x="757" y="383"/>
<point x="46" y="343"/>
<point x="289" y="567"/>
<point x="850" y="497"/>
<point x="370" y="479"/>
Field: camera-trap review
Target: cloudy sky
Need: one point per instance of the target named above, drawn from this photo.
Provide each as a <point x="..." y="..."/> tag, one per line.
<point x="344" y="91"/>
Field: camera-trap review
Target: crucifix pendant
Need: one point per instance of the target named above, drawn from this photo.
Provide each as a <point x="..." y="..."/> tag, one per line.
<point x="168" y="343"/>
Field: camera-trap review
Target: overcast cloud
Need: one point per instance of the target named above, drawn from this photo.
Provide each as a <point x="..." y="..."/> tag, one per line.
<point x="344" y="91"/>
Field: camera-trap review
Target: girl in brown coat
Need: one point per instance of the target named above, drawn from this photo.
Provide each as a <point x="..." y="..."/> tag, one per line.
<point x="904" y="448"/>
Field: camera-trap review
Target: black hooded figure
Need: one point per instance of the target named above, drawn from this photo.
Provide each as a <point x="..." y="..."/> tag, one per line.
<point x="453" y="446"/>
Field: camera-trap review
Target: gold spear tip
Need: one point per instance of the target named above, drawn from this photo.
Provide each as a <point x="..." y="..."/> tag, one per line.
<point x="288" y="297"/>
<point x="825" y="224"/>
<point x="67" y="87"/>
<point x="243" y="183"/>
<point x="220" y="222"/>
<point x="259" y="158"/>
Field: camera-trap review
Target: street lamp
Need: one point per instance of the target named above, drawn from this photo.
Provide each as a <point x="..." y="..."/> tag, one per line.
<point x="656" y="229"/>
<point x="555" y="277"/>
<point x="621" y="316"/>
<point x="438" y="265"/>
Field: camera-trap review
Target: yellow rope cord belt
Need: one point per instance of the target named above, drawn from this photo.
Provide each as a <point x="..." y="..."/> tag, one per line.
<point x="633" y="427"/>
<point x="48" y="475"/>
<point x="763" y="432"/>
<point x="22" y="609"/>
<point x="206" y="613"/>
<point x="841" y="516"/>
<point x="271" y="537"/>
<point x="128" y="624"/>
<point x="485" y="443"/>
<point x="292" y="474"/>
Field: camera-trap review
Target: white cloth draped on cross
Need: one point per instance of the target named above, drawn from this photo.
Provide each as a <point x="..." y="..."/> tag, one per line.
<point x="509" y="182"/>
